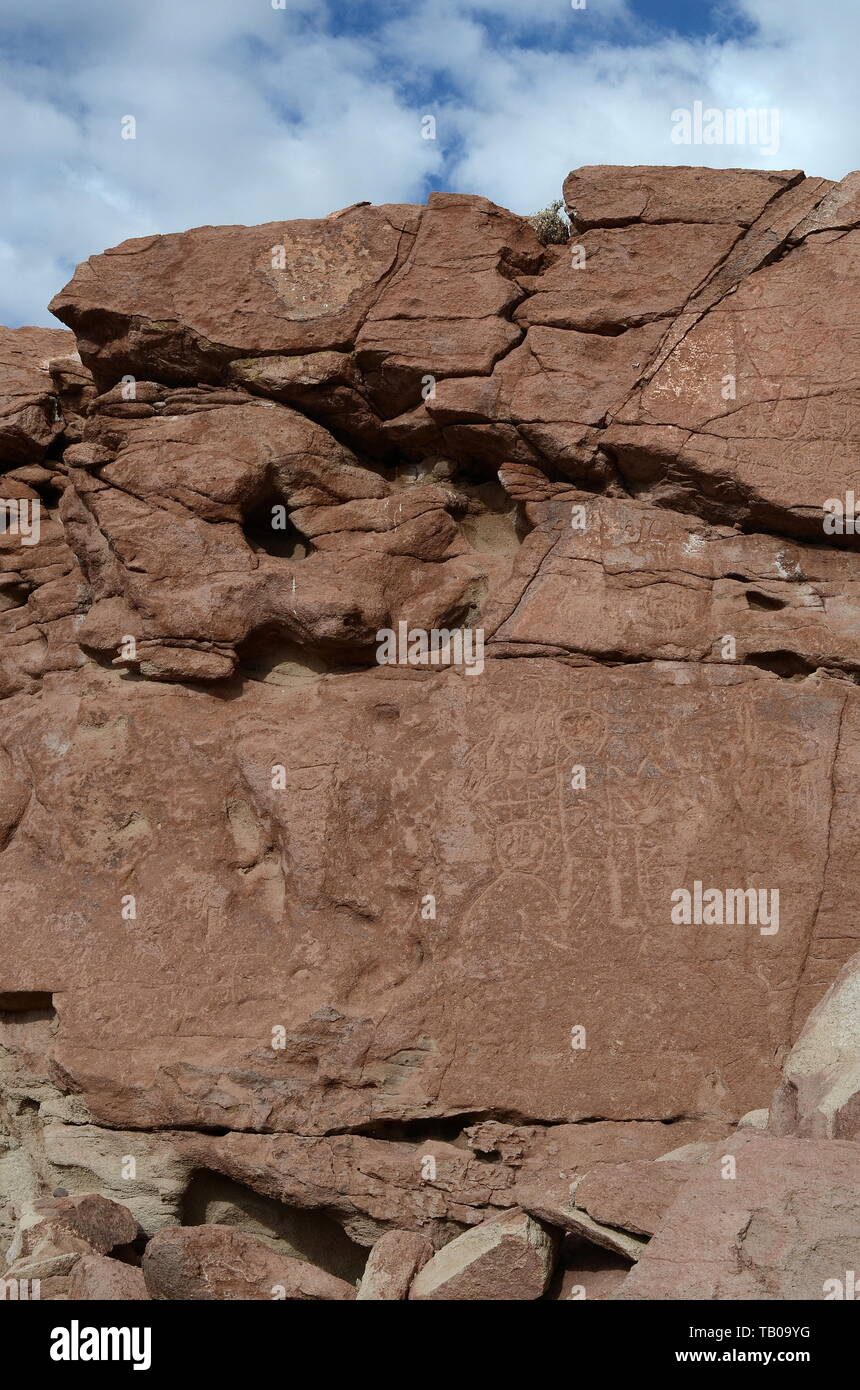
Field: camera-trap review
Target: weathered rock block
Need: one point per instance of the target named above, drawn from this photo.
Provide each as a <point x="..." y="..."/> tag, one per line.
<point x="392" y="1265"/>
<point x="217" y="1263"/>
<point x="819" y="1094"/>
<point x="97" y="1279"/>
<point x="784" y="1227"/>
<point x="510" y="1257"/>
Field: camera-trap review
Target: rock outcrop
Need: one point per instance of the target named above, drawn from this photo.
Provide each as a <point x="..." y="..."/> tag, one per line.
<point x="819" y="1093"/>
<point x="769" y="1219"/>
<point x="325" y="935"/>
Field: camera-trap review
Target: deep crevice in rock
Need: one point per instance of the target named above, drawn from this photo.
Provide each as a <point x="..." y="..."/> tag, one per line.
<point x="26" y="1006"/>
<point x="782" y="663"/>
<point x="306" y="1233"/>
<point x="765" y="602"/>
<point x="268" y="528"/>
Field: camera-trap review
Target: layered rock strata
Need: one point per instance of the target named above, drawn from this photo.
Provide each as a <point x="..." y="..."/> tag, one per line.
<point x="475" y="965"/>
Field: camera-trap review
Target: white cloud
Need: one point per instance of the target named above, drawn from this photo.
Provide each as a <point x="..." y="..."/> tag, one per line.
<point x="248" y="114"/>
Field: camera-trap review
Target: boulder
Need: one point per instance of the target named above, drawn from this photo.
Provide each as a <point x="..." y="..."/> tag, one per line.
<point x="101" y="1222"/>
<point x="54" y="1226"/>
<point x="94" y="1278"/>
<point x="782" y="1222"/>
<point x="508" y="1258"/>
<point x="300" y="286"/>
<point x="392" y="1265"/>
<point x="819" y="1093"/>
<point x="754" y="1119"/>
<point x="634" y="1196"/>
<point x="215" y="1263"/>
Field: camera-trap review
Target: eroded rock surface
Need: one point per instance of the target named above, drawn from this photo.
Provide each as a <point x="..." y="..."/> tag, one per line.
<point x="509" y="1257"/>
<point x="96" y="1279"/>
<point x="332" y="955"/>
<point x="783" y="1224"/>
<point x="213" y="1263"/>
<point x="819" y="1093"/>
<point x="392" y="1265"/>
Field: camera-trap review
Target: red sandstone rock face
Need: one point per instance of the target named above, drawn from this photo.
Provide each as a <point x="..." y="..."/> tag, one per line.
<point x="409" y="936"/>
<point x="29" y="418"/>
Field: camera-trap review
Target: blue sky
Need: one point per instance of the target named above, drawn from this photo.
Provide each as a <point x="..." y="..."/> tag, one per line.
<point x="247" y="113"/>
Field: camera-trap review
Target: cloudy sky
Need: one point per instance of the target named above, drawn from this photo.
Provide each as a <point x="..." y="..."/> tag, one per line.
<point x="256" y="110"/>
